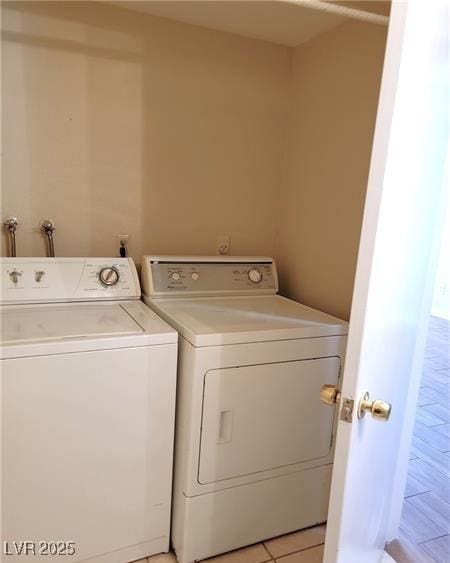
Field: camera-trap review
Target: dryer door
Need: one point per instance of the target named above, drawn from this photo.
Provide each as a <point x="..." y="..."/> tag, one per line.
<point x="257" y="418"/>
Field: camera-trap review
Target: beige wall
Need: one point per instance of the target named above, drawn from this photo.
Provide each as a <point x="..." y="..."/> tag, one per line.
<point x="118" y="122"/>
<point x="336" y="80"/>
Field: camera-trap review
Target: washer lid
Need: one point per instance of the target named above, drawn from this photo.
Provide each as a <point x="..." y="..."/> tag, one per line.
<point x="44" y="328"/>
<point x="30" y="323"/>
<point x="235" y="320"/>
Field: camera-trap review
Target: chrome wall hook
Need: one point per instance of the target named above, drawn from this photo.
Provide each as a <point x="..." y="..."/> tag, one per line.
<point x="11" y="225"/>
<point x="48" y="228"/>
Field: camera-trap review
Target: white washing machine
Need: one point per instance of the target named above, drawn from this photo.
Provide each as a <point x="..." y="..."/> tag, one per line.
<point x="88" y="377"/>
<point x="253" y="442"/>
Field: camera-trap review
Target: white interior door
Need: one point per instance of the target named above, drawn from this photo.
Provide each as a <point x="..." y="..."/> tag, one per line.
<point x="393" y="283"/>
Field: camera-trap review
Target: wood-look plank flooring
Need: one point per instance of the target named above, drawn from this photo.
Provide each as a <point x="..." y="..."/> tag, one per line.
<point x="425" y="526"/>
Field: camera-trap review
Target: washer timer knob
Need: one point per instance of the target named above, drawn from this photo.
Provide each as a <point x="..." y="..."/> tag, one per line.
<point x="109" y="276"/>
<point x="255" y="275"/>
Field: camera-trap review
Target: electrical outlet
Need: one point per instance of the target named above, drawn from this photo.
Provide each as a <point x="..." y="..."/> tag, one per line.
<point x="122" y="245"/>
<point x="223" y="244"/>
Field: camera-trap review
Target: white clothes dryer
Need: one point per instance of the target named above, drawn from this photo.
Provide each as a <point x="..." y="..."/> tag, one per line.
<point x="253" y="442"/>
<point x="88" y="377"/>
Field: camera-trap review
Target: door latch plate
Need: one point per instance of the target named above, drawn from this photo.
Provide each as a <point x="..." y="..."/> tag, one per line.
<point x="347" y="409"/>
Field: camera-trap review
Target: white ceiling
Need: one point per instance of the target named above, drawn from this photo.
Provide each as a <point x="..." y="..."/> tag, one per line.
<point x="283" y="22"/>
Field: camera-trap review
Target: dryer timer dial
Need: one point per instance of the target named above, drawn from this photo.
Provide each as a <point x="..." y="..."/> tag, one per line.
<point x="255" y="275"/>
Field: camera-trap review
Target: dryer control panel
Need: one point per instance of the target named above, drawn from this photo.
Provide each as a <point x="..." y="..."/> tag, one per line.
<point x="47" y="280"/>
<point x="208" y="275"/>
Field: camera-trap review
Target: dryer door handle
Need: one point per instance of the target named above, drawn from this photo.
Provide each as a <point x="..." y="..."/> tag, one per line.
<point x="225" y="426"/>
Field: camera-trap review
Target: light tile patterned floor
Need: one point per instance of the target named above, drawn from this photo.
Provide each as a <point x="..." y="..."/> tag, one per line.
<point x="305" y="546"/>
<point x="425" y="526"/>
<point x="426" y="518"/>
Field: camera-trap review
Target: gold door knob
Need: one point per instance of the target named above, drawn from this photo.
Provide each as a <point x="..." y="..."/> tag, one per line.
<point x="381" y="410"/>
<point x="330" y="395"/>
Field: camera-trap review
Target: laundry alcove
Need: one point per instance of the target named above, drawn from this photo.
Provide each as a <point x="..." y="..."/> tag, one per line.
<point x="177" y="122"/>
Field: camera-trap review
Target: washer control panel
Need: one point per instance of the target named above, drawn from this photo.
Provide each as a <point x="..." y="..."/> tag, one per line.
<point x="34" y="280"/>
<point x="208" y="275"/>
